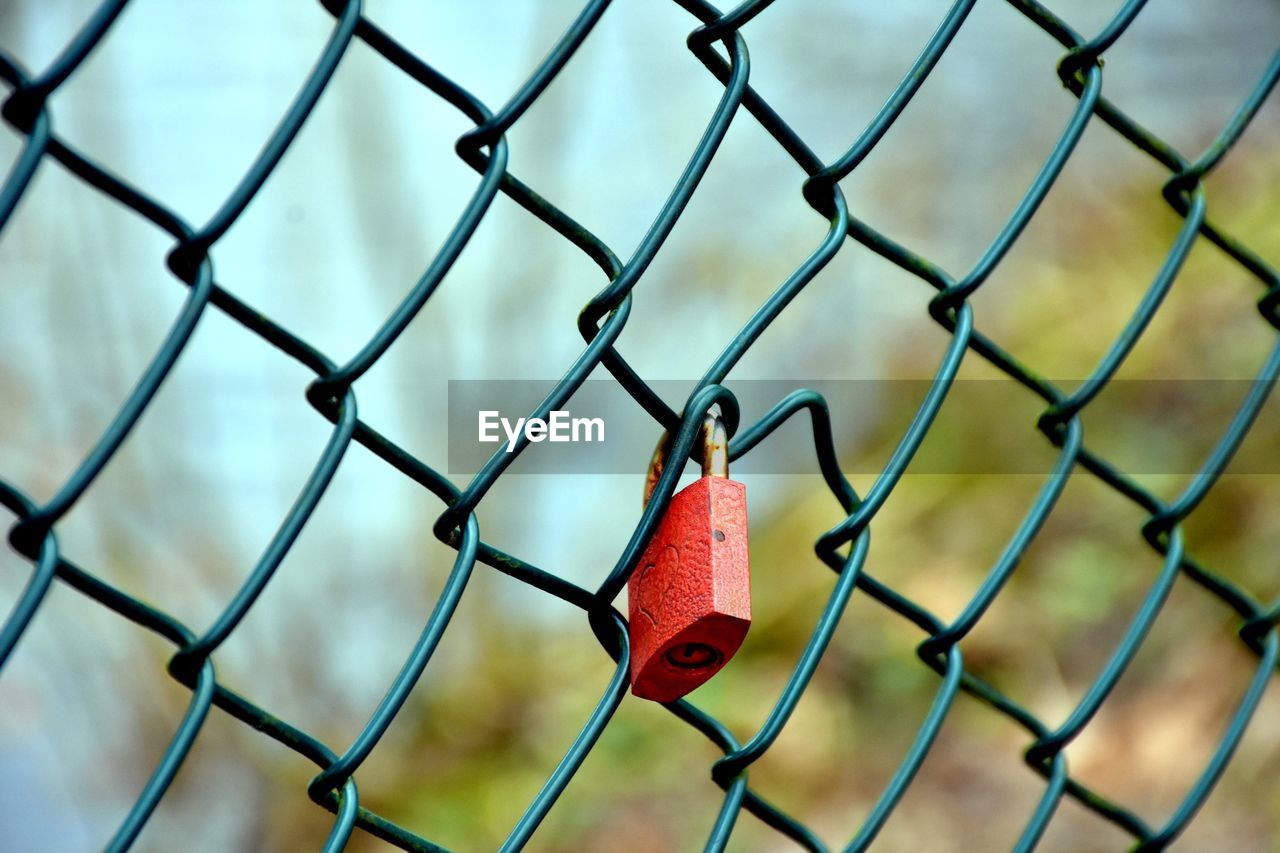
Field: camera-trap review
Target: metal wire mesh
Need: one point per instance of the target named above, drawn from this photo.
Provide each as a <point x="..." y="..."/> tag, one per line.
<point x="718" y="43"/>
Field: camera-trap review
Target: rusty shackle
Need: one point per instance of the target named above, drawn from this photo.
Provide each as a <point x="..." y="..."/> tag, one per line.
<point x="714" y="459"/>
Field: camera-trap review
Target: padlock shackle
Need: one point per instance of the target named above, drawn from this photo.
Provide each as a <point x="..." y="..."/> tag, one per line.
<point x="714" y="459"/>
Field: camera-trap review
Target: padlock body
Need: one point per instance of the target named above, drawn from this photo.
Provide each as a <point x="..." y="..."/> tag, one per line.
<point x="689" y="598"/>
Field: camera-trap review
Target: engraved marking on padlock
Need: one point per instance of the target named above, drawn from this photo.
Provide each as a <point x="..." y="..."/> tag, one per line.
<point x="664" y="572"/>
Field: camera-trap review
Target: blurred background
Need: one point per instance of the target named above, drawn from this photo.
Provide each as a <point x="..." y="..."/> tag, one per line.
<point x="177" y="101"/>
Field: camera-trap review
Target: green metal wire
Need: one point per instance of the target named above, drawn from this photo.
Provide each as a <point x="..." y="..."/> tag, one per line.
<point x="717" y="41"/>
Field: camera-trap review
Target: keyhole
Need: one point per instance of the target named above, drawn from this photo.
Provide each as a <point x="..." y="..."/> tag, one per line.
<point x="693" y="656"/>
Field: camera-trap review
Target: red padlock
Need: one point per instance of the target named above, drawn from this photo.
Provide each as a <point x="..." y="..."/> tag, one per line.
<point x="689" y="598"/>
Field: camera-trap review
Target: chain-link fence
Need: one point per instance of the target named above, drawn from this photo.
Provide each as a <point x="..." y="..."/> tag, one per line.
<point x="718" y="42"/>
